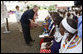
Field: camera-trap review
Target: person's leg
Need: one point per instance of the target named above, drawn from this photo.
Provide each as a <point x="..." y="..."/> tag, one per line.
<point x="19" y="27"/>
<point x="30" y="38"/>
<point x="26" y="33"/>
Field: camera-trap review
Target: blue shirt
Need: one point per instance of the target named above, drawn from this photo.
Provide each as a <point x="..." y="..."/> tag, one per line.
<point x="80" y="26"/>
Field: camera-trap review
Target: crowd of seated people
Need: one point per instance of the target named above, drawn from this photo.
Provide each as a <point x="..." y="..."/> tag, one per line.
<point x="61" y="33"/>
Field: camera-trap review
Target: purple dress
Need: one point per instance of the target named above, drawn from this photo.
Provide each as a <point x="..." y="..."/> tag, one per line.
<point x="55" y="47"/>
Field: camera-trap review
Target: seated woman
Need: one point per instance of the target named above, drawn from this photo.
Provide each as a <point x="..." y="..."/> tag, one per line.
<point x="70" y="43"/>
<point x="57" y="19"/>
<point x="47" y="23"/>
<point x="57" y="37"/>
<point x="51" y="36"/>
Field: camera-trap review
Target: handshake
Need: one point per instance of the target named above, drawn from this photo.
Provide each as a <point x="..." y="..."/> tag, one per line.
<point x="33" y="24"/>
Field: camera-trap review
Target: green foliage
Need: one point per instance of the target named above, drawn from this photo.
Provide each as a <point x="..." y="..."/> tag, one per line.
<point x="51" y="8"/>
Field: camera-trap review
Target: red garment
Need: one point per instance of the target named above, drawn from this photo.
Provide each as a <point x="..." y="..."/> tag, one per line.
<point x="41" y="41"/>
<point x="45" y="51"/>
<point x="76" y="20"/>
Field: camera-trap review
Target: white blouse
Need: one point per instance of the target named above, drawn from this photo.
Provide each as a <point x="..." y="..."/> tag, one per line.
<point x="18" y="15"/>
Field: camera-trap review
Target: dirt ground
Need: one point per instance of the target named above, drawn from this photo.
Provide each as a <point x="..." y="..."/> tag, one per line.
<point x="14" y="41"/>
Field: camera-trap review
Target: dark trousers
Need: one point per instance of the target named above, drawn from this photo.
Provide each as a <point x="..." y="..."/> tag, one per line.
<point x="26" y="33"/>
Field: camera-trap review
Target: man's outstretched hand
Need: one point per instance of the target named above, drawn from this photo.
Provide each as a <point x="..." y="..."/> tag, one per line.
<point x="33" y="24"/>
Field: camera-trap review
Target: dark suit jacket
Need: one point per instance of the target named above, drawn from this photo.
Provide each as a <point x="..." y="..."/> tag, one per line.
<point x="29" y="14"/>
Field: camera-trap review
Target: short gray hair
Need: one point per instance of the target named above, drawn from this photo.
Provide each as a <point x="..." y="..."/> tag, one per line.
<point x="35" y="6"/>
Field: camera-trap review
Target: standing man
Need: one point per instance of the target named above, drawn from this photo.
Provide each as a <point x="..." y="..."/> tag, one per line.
<point x="26" y="22"/>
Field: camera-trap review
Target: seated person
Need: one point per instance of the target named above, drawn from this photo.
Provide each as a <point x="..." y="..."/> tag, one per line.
<point x="57" y="19"/>
<point x="48" y="38"/>
<point x="47" y="23"/>
<point x="57" y="37"/>
<point x="70" y="43"/>
<point x="51" y="36"/>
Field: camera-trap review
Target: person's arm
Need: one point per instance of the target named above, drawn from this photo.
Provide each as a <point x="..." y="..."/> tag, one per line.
<point x="32" y="22"/>
<point x="49" y="37"/>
